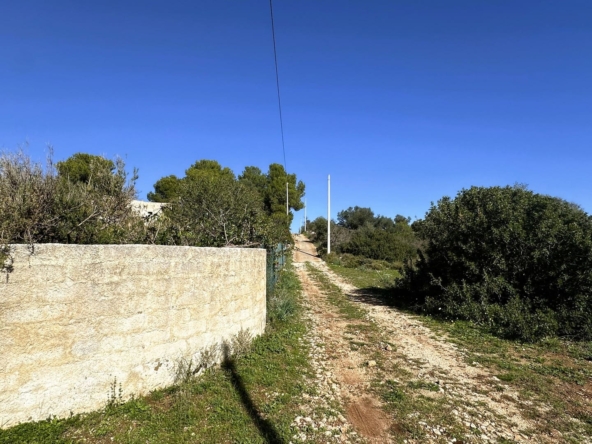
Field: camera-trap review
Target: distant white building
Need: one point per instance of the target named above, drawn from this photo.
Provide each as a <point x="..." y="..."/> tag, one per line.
<point x="147" y="209"/>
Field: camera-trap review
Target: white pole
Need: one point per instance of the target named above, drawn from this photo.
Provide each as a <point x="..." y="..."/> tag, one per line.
<point x="286" y="198"/>
<point x="305" y="215"/>
<point x="329" y="214"/>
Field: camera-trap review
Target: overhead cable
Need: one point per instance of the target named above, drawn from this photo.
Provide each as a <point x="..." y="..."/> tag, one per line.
<point x="277" y="81"/>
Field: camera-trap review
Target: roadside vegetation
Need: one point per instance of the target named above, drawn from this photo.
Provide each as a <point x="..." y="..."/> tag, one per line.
<point x="212" y="207"/>
<point x="506" y="275"/>
<point x="252" y="397"/>
<point x="366" y="248"/>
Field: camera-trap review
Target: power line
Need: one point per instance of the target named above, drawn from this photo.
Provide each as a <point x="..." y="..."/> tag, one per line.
<point x="277" y="81"/>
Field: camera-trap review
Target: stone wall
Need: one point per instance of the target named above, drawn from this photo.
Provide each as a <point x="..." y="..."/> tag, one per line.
<point x="73" y="318"/>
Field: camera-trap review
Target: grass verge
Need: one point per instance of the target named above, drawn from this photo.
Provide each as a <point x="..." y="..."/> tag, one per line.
<point x="366" y="278"/>
<point x="249" y="399"/>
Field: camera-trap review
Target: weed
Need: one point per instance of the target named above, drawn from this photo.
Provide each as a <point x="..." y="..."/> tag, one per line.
<point x="240" y="344"/>
<point x="392" y="393"/>
<point x="115" y="395"/>
<point x="423" y="385"/>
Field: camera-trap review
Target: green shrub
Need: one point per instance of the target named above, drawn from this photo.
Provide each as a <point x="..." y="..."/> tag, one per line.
<point x="351" y="261"/>
<point x="377" y="265"/>
<point x="332" y="258"/>
<point x="281" y="306"/>
<point x="87" y="202"/>
<point x="390" y="245"/>
<point x="515" y="261"/>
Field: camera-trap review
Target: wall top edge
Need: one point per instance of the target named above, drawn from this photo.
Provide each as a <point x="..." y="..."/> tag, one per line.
<point x="131" y="246"/>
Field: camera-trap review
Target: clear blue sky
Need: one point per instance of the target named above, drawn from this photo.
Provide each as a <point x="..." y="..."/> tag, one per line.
<point x="402" y="102"/>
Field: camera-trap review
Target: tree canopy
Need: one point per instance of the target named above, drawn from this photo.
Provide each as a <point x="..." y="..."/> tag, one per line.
<point x="166" y="189"/>
<point x="87" y="199"/>
<point x="216" y="211"/>
<point x="82" y="167"/>
<point x="355" y="217"/>
<point x="270" y="186"/>
<point x="272" y="189"/>
<point x="211" y="206"/>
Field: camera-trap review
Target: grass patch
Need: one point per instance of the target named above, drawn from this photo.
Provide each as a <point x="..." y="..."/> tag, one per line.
<point x="335" y="296"/>
<point x="251" y="399"/>
<point x="553" y="377"/>
<point x="423" y="385"/>
<point x="366" y="278"/>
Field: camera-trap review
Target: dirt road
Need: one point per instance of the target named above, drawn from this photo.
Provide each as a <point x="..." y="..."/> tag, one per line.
<point x="353" y="356"/>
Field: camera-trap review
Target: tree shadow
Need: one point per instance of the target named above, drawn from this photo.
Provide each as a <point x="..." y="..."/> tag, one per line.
<point x="265" y="427"/>
<point x="304" y="252"/>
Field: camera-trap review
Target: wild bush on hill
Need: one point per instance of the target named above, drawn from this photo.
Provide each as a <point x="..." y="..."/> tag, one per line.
<point x="508" y="258"/>
<point x="387" y="245"/>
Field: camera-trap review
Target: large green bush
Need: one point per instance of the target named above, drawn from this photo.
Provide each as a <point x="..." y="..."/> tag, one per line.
<point x="393" y="244"/>
<point x="211" y="207"/>
<point x="511" y="259"/>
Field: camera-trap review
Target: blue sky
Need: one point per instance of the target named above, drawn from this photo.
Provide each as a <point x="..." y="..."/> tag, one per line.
<point x="401" y="102"/>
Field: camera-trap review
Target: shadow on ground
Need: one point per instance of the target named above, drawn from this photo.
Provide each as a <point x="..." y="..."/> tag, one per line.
<point x="386" y="297"/>
<point x="265" y="427"/>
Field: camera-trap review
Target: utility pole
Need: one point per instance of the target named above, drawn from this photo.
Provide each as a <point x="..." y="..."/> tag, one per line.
<point x="305" y="215"/>
<point x="286" y="198"/>
<point x="329" y="214"/>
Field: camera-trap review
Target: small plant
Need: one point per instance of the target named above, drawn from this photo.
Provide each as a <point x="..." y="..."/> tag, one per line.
<point x="241" y="343"/>
<point x="188" y="368"/>
<point x="115" y="396"/>
<point x="281" y="305"/>
<point x="6" y="260"/>
<point x="209" y="356"/>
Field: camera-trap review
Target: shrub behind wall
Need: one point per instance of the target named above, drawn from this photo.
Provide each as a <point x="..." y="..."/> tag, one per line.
<point x="40" y="205"/>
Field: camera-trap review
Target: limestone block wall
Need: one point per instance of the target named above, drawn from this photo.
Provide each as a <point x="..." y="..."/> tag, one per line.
<point x="73" y="318"/>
